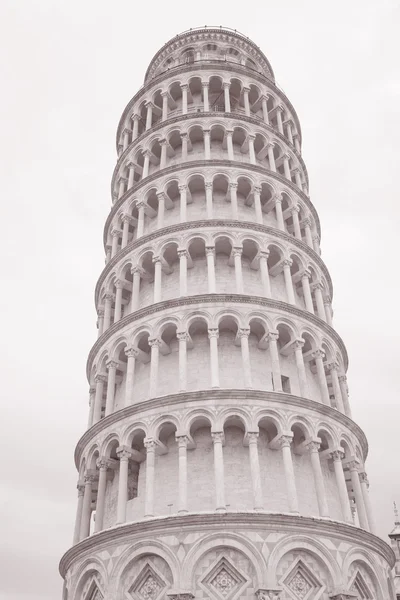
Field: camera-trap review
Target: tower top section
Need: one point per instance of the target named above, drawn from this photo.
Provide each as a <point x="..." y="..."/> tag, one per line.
<point x="212" y="45"/>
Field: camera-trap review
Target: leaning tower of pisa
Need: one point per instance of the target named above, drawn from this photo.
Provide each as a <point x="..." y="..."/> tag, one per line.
<point x="220" y="461"/>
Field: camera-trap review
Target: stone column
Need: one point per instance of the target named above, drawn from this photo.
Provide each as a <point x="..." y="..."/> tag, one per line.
<point x="131" y="175"/>
<point x="271" y="157"/>
<point x="243" y="334"/>
<point x="229" y="142"/>
<point x="210" y="250"/>
<point x="298" y="178"/>
<point x="98" y="400"/>
<point x="136" y="272"/>
<point x="149" y="115"/>
<point x="313" y="448"/>
<point x="279" y="112"/>
<point x="140" y="224"/>
<point x="164" y="115"/>
<point x="107" y="310"/>
<point x="207" y="144"/>
<point x="182" y="254"/>
<point x="257" y="204"/>
<point x="226" y="97"/>
<point x="125" y="230"/>
<point x="132" y="354"/>
<point x="155" y="344"/>
<point x="184" y="88"/>
<point x="286" y="264"/>
<point x="286" y="166"/>
<point x="146" y="164"/>
<point x="355" y="482"/>
<point x="124" y="454"/>
<point x="316" y="244"/>
<point x="246" y="91"/>
<point x="115" y="238"/>
<point x="184" y="138"/>
<point x="150" y="446"/>
<point x="209" y="199"/>
<point x="135" y="129"/>
<point x="333" y="369"/>
<point x="183" y="202"/>
<point x="307" y="231"/>
<point x="161" y="210"/>
<point x="182" y="441"/>
<point x="102" y="465"/>
<point x="214" y="367"/>
<point x="296" y="223"/>
<point x="265" y="273"/>
<point x="289" y="132"/>
<point x="163" y="157"/>
<point x="182" y="339"/>
<point x="264" y="101"/>
<point x="218" y="438"/>
<point x="112" y="371"/>
<point x="237" y="257"/>
<point x="279" y="214"/>
<point x="275" y="364"/>
<point x="234" y="206"/>
<point x="205" y="85"/>
<point x="252" y="155"/>
<point x="121" y="189"/>
<point x="367" y="502"/>
<point x="305" y="284"/>
<point x="317" y="287"/>
<point x="92" y="392"/>
<point x="301" y="371"/>
<point x="86" y="507"/>
<point x="345" y="394"/>
<point x="285" y="443"/>
<point x="100" y="322"/>
<point x="78" y="518"/>
<point x="118" y="300"/>
<point x="255" y="469"/>
<point x="157" y="278"/>
<point x="318" y="356"/>
<point x="336" y="456"/>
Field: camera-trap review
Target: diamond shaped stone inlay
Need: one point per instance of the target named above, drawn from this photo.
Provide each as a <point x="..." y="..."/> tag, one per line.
<point x="149" y="585"/>
<point x="150" y="588"/>
<point x="223" y="580"/>
<point x="299" y="586"/>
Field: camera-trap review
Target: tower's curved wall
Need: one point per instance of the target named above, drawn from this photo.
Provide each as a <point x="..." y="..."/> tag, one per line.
<point x="220" y="460"/>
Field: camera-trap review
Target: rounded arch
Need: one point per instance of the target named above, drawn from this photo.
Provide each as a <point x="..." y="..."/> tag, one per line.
<point x="90" y="568"/>
<point x="361" y="558"/>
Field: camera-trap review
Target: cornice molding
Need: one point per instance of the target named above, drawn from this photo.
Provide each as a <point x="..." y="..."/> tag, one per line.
<point x="224" y="522"/>
<point x="214" y="298"/>
<point x="203" y="115"/>
<point x="218" y="395"/>
<point x="207" y="164"/>
<point x="221" y="224"/>
<point x="205" y="65"/>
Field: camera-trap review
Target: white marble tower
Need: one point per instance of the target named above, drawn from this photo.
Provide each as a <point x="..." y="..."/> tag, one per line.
<point x="220" y="461"/>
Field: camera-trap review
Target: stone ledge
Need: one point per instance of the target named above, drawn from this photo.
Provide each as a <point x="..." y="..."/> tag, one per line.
<point x="193" y="226"/>
<point x="220" y="394"/>
<point x="224" y="521"/>
<point x="196" y="164"/>
<point x="215" y="298"/>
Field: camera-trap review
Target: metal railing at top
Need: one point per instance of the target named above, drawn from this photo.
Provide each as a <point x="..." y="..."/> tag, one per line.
<point x="221" y="27"/>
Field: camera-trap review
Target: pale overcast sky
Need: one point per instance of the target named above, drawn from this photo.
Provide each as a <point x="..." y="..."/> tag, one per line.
<point x="68" y="68"/>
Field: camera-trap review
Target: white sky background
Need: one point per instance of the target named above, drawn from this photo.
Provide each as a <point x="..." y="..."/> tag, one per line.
<point x="68" y="68"/>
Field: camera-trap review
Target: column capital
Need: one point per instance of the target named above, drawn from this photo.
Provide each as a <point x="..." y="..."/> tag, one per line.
<point x="155" y="342"/>
<point x="313" y="446"/>
<point x="306" y="274"/>
<point x="298" y="343"/>
<point x="119" y="284"/>
<point x="353" y="466"/>
<point x="205" y="84"/>
<point x="251" y="137"/>
<point x="130" y="352"/>
<point x="213" y="333"/>
<point x="237" y="251"/>
<point x="233" y="185"/>
<point x="287" y="262"/>
<point x="182" y="336"/>
<point x="116" y="232"/>
<point x="89" y="478"/>
<point x="307" y="222"/>
<point x="112" y="364"/>
<point x="208" y="185"/>
<point x="126" y="218"/>
<point x="126" y="130"/>
<point x="109" y="296"/>
<point x="163" y="142"/>
<point x="343" y="378"/>
<point x="363" y="478"/>
<point x="182" y="252"/>
<point x="150" y="444"/>
<point x="317" y="286"/>
<point x="124" y="453"/>
<point x="226" y="84"/>
<point x="100" y="313"/>
<point x="252" y="437"/>
<point x="273" y="336"/>
<point x="182" y="440"/>
<point x="184" y="86"/>
<point x="295" y="209"/>
<point x="285" y="441"/>
<point x="164" y="93"/>
<point x="327" y="300"/>
<point x="137" y="269"/>
<point x="135" y="117"/>
<point x="277" y="199"/>
<point x="81" y="488"/>
<point x="99" y="377"/>
<point x="246" y="89"/>
<point x="156" y="259"/>
<point x="337" y="455"/>
<point x="268" y="594"/>
<point x="243" y="332"/>
<point x="318" y="354"/>
<point x="184" y="135"/>
<point x="229" y="132"/>
<point x="210" y="250"/>
<point x="257" y="189"/>
<point x="217" y="437"/>
<point x="149" y="104"/>
<point x="160" y="196"/>
<point x="103" y="463"/>
<point x="332" y="366"/>
<point x="140" y="205"/>
<point x="182" y="188"/>
<point x="264" y="254"/>
<point x="92" y="390"/>
<point x="280" y="108"/>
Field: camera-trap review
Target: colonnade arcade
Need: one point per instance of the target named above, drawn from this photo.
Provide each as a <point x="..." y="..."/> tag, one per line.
<point x="172" y="356"/>
<point x="139" y="448"/>
<point x="211" y="93"/>
<point x="230" y="195"/>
